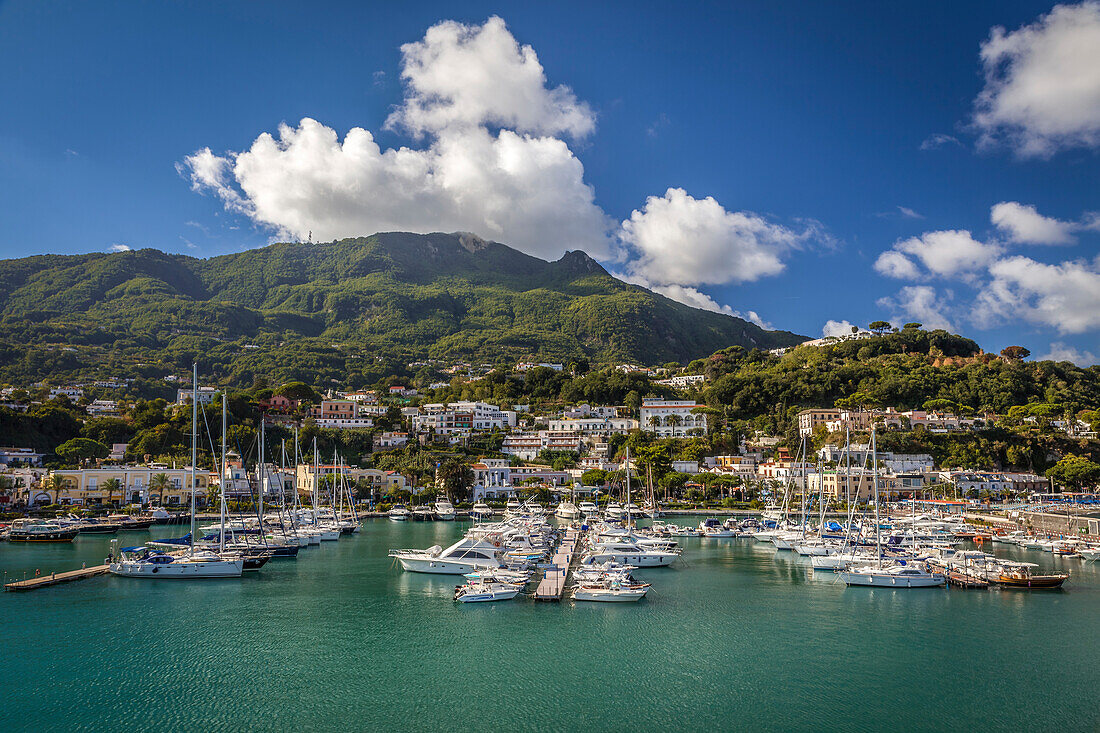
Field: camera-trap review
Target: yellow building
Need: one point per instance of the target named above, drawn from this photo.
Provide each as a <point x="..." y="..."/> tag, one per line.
<point x="380" y="481"/>
<point x="137" y="485"/>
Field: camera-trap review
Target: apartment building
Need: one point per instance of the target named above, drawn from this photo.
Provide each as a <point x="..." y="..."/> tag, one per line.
<point x="671" y="418"/>
<point x="810" y="420"/>
<point x="137" y="485"/>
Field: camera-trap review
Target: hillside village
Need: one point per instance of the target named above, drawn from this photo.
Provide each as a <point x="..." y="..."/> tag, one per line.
<point x="401" y="441"/>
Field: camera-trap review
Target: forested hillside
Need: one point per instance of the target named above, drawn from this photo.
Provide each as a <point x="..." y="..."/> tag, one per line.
<point x="352" y="311"/>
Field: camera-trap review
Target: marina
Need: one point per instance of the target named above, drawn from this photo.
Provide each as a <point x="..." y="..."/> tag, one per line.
<point x="728" y="614"/>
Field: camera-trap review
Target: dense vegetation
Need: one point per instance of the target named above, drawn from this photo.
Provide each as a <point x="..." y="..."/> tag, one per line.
<point x="352" y="311"/>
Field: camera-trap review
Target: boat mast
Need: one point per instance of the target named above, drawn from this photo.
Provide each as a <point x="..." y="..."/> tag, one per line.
<point x="261" y="475"/>
<point x="874" y="477"/>
<point x="803" y="452"/>
<point x="194" y="442"/>
<point x="221" y="482"/>
<point x="627" y="486"/>
<point x="316" y="481"/>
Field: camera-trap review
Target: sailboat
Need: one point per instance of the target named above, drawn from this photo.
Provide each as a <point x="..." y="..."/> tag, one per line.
<point x="145" y="562"/>
<point x="900" y="574"/>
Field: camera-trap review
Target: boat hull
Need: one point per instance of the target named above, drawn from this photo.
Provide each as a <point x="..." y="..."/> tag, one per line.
<point x="441" y="567"/>
<point x="884" y="580"/>
<point x="178" y="571"/>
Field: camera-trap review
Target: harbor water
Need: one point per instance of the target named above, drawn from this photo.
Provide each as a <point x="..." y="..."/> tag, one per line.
<point x="731" y="637"/>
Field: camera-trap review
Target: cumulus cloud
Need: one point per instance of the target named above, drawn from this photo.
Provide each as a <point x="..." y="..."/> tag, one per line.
<point x="1065" y="296"/>
<point x="837" y="328"/>
<point x="892" y="263"/>
<point x="119" y="248"/>
<point x="526" y="191"/>
<point x="1042" y="83"/>
<point x="919" y="303"/>
<point x="474" y="75"/>
<point x="682" y="239"/>
<point x="938" y="140"/>
<point x="1060" y="351"/>
<point x="1024" y="224"/>
<point x="945" y="253"/>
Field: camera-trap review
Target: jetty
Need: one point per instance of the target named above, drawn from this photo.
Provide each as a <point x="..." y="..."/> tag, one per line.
<point x="42" y="581"/>
<point x="555" y="577"/>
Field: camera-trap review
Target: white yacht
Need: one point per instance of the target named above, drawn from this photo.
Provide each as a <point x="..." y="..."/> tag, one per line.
<point x="589" y="508"/>
<point x="512" y="509"/>
<point x="444" y="510"/>
<point x="612" y="591"/>
<point x="630" y="553"/>
<point x="422" y="513"/>
<point x="141" y="562"/>
<point x="481" y="511"/>
<point x="614" y="510"/>
<point x="465" y="556"/>
<point x="399" y="513"/>
<point x="483" y="590"/>
<point x="895" y="576"/>
<point x="567" y="510"/>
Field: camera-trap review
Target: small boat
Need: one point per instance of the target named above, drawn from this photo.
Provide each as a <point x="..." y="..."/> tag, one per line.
<point x="567" y="510"/>
<point x="481" y="591"/>
<point x="39" y="530"/>
<point x="444" y="510"/>
<point x="399" y="513"/>
<point x="589" y="508"/>
<point x="1090" y="553"/>
<point x="142" y="562"/>
<point x="422" y="514"/>
<point x="1021" y="575"/>
<point x="614" y="510"/>
<point x="98" y="526"/>
<point x="481" y="511"/>
<point x="612" y="591"/>
<point x="897" y="576"/>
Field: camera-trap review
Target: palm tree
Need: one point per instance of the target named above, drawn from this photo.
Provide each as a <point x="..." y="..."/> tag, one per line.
<point x="674" y="421"/>
<point x="112" y="485"/>
<point x="654" y="421"/>
<point x="159" y="483"/>
<point x="56" y="484"/>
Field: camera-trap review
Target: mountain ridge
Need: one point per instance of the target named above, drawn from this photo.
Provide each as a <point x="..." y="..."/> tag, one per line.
<point x="391" y="295"/>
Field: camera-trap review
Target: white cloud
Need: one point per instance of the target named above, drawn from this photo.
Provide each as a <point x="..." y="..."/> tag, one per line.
<point x="894" y="264"/>
<point x="909" y="213"/>
<point x="1065" y="296"/>
<point x="680" y="239"/>
<point x="119" y="248"/>
<point x="1042" y="83"/>
<point x="754" y="317"/>
<point x="1060" y="351"/>
<point x="1024" y="224"/>
<point x="837" y="328"/>
<point x="475" y="75"/>
<point x="528" y="192"/>
<point x="695" y="298"/>
<point x="938" y="140"/>
<point x="919" y="303"/>
<point x="948" y="253"/>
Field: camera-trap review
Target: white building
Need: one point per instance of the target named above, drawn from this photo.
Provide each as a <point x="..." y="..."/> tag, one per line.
<point x="594" y="425"/>
<point x="682" y="381"/>
<point x="206" y="395"/>
<point x="73" y="393"/>
<point x="671" y="418"/>
<point x="102" y="407"/>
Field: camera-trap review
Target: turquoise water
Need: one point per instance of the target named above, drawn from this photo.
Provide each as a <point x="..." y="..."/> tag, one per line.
<point x="736" y="637"/>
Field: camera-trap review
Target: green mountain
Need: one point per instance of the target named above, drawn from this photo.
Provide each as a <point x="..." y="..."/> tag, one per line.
<point x="352" y="310"/>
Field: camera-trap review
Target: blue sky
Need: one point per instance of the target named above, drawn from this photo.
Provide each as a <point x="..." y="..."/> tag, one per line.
<point x="811" y="127"/>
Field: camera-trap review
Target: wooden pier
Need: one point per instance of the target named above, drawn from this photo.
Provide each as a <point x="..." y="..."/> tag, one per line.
<point x="42" y="581"/>
<point x="554" y="579"/>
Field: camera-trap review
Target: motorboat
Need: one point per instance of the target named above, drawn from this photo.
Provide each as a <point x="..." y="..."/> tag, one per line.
<point x="143" y="562"/>
<point x="422" y="513"/>
<point x="481" y="511"/>
<point x="483" y="590"/>
<point x="98" y="526"/>
<point x="512" y="509"/>
<point x="630" y="553"/>
<point x="568" y="511"/>
<point x="589" y="508"/>
<point x="40" y="530"/>
<point x="444" y="510"/>
<point x="399" y="513"/>
<point x="713" y="528"/>
<point x="614" y="510"/>
<point x="465" y="556"/>
<point x="1022" y="575"/>
<point x="894" y="576"/>
<point x="611" y="591"/>
<point x="1089" y="553"/>
<point x="128" y="522"/>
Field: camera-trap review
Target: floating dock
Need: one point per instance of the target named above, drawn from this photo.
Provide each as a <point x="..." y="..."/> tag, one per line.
<point x="554" y="579"/>
<point x="42" y="581"/>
